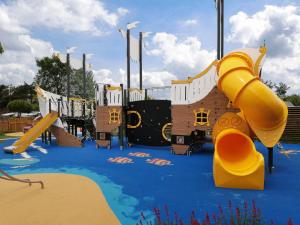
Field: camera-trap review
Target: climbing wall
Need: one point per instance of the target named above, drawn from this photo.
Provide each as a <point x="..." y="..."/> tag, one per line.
<point x="146" y="122"/>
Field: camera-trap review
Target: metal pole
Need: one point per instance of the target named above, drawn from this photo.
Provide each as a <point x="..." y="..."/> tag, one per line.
<point x="122" y="126"/>
<point x="50" y="106"/>
<point x="68" y="76"/>
<point x="141" y="59"/>
<point x="128" y="64"/>
<point x="222" y="29"/>
<point x="270" y="159"/>
<point x="50" y="140"/>
<point x="68" y="82"/>
<point x="218" y="30"/>
<point x="84" y="76"/>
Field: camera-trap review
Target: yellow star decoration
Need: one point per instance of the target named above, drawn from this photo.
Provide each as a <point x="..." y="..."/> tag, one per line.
<point x="287" y="153"/>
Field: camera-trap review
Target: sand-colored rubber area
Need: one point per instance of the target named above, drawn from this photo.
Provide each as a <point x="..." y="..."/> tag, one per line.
<point x="66" y="200"/>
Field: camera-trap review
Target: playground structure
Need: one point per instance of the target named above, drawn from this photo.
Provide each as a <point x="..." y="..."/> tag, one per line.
<point x="226" y="104"/>
<point x="61" y="118"/>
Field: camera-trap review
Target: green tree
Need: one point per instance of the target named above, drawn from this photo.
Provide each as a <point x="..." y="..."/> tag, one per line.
<point x="35" y="107"/>
<point x="76" y="84"/>
<point x="4" y="93"/>
<point x="52" y="74"/>
<point x="281" y="89"/>
<point x="1" y="48"/>
<point x="294" y="99"/>
<point x="25" y="92"/>
<point x="269" y="83"/>
<point x="19" y="106"/>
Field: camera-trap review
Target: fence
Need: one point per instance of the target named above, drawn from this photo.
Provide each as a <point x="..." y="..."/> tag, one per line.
<point x="292" y="129"/>
<point x="9" y="125"/>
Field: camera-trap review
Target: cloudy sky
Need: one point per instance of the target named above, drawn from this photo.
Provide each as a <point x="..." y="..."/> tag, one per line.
<point x="182" y="43"/>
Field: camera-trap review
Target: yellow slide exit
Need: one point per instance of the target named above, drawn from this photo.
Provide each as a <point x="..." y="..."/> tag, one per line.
<point x="237" y="164"/>
<point x="22" y="144"/>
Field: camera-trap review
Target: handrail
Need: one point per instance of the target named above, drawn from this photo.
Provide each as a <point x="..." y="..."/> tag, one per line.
<point x="11" y="178"/>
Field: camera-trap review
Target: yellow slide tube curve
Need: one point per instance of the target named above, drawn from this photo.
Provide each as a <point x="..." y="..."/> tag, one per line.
<point x="265" y="113"/>
<point x="237" y="164"/>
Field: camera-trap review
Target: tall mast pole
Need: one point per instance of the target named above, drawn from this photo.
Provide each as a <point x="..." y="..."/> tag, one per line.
<point x="68" y="77"/>
<point x="141" y="59"/>
<point x="222" y="28"/>
<point x="218" y="29"/>
<point x="84" y="76"/>
<point x="128" y="64"/>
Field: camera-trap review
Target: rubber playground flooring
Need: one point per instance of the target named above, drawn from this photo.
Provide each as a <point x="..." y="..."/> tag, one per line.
<point x="137" y="179"/>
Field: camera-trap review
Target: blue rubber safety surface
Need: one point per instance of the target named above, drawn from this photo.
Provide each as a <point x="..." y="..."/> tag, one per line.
<point x="185" y="186"/>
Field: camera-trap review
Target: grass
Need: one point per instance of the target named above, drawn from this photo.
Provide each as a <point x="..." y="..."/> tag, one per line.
<point x="4" y="136"/>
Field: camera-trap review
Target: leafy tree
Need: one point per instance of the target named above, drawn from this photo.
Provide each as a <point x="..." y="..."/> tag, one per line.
<point x="35" y="107"/>
<point x="294" y="99"/>
<point x="25" y="92"/>
<point x="1" y="49"/>
<point x="269" y="83"/>
<point x="281" y="89"/>
<point x="52" y="74"/>
<point x="19" y="106"/>
<point x="4" y="93"/>
<point x="76" y="84"/>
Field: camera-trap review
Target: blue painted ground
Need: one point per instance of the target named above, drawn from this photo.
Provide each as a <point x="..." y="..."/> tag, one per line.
<point x="184" y="186"/>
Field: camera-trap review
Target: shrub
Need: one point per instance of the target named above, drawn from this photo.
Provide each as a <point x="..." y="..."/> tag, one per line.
<point x="19" y="106"/>
<point x="35" y="107"/>
<point x="232" y="216"/>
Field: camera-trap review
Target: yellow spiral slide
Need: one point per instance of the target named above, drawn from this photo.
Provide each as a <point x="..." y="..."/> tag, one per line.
<point x="237" y="164"/>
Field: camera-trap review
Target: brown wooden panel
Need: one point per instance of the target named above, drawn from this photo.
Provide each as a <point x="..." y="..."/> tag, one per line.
<point x="63" y="138"/>
<point x="102" y="118"/>
<point x="180" y="149"/>
<point x="103" y="143"/>
<point x="183" y="117"/>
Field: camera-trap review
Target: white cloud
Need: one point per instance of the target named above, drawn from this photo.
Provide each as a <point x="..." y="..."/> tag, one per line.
<point x="154" y="79"/>
<point x="280" y="28"/>
<point x="17" y="18"/>
<point x="68" y="15"/>
<point x="150" y="78"/>
<point x="181" y="57"/>
<point x="190" y="22"/>
<point x="106" y="76"/>
<point x="122" y="11"/>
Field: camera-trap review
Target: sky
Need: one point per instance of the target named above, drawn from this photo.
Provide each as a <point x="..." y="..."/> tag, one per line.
<point x="182" y="42"/>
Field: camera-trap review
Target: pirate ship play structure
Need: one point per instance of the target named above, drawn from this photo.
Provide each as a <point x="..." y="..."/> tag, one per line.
<point x="227" y="102"/>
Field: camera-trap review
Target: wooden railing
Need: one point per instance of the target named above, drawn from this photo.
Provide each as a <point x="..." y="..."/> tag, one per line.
<point x="6" y="176"/>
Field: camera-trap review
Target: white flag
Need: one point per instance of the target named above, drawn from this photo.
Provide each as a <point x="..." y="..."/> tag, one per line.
<point x="134" y="49"/>
<point x="134" y="46"/>
<point x="132" y="25"/>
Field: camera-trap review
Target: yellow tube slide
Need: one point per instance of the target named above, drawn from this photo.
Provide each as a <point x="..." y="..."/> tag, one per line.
<point x="265" y="113"/>
<point x="237" y="164"/>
